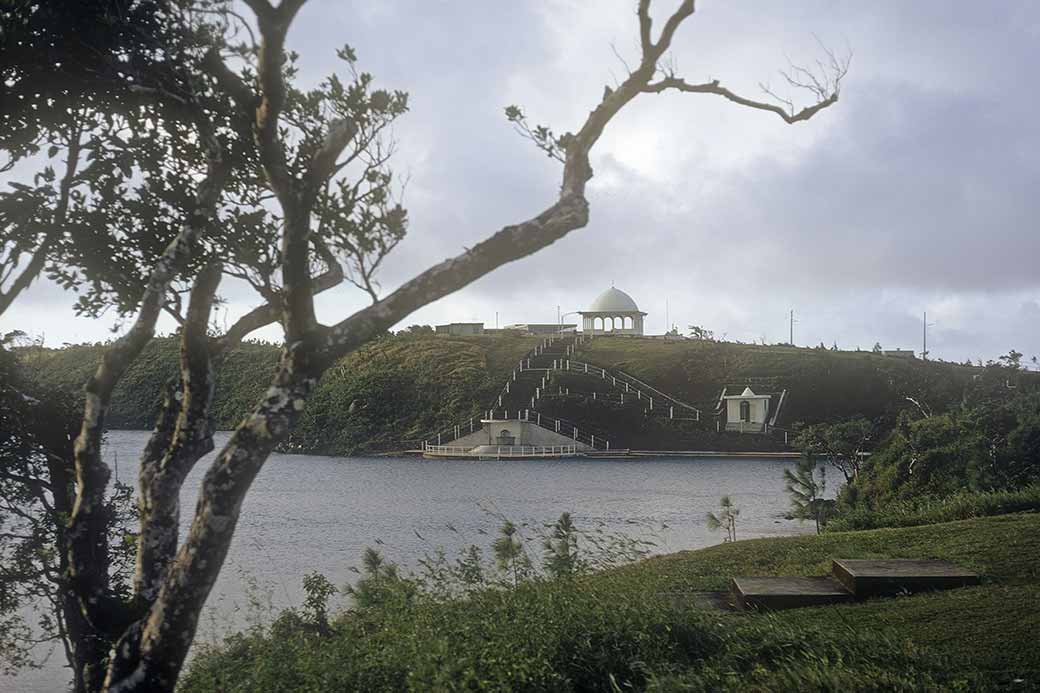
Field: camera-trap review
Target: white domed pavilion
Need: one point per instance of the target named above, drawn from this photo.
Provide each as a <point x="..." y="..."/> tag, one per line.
<point x="613" y="312"/>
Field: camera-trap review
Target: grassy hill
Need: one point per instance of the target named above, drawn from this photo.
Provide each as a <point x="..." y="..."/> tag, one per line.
<point x="822" y="384"/>
<point x="638" y="627"/>
<point x="399" y="388"/>
<point x="381" y="397"/>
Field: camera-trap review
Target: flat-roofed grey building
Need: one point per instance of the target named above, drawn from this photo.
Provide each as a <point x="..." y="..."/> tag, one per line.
<point x="461" y="329"/>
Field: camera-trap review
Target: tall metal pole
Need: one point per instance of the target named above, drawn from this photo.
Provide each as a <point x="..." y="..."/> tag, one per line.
<point x="791" y="339"/>
<point x="924" y="335"/>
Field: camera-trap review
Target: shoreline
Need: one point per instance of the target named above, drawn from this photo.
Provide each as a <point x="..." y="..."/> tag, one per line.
<point x="601" y="454"/>
<point x="633" y="454"/>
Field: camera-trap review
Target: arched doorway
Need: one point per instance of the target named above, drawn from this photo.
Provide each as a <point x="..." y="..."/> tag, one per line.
<point x="745" y="411"/>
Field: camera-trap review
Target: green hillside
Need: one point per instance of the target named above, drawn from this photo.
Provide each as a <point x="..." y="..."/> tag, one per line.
<point x="822" y="385"/>
<point x="383" y="396"/>
<point x="402" y="387"/>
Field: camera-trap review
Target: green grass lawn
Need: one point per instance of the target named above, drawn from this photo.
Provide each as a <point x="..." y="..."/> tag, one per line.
<point x="625" y="629"/>
<point x="1003" y="548"/>
<point x="988" y="633"/>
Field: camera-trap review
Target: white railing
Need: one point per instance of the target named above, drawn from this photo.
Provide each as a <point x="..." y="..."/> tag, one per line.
<point x="561" y="426"/>
<point x="524" y="365"/>
<point x="666" y="404"/>
<point x="502" y="451"/>
<point x="454" y="432"/>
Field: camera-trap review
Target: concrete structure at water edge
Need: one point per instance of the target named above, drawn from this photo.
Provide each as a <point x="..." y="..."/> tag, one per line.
<point x="613" y="312"/>
<point x="530" y="435"/>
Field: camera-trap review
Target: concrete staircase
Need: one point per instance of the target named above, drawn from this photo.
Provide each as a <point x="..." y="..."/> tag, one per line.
<point x="549" y="371"/>
<point x="850" y="580"/>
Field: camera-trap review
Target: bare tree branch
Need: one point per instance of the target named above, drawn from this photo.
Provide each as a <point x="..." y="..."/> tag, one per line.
<point x="714" y="87"/>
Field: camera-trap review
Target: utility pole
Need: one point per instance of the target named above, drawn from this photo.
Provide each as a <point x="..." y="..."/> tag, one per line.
<point x="496" y="319"/>
<point x="924" y="336"/>
<point x="792" y="321"/>
<point x="667" y="318"/>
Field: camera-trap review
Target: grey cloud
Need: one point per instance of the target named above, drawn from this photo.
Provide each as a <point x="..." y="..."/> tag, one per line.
<point x="917" y="191"/>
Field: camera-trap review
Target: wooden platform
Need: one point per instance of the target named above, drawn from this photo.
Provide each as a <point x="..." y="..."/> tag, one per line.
<point x="850" y="580"/>
<point x="772" y="593"/>
<point x="884" y="578"/>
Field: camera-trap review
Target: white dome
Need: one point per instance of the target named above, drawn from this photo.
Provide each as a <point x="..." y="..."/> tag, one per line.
<point x="613" y="301"/>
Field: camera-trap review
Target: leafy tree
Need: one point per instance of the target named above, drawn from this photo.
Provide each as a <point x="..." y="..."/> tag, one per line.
<point x="806" y="486"/>
<point x="990" y="442"/>
<point x="203" y="162"/>
<point x="842" y="443"/>
<point x="318" y="589"/>
<point x="726" y="519"/>
<point x="701" y="333"/>
<point x="1012" y="360"/>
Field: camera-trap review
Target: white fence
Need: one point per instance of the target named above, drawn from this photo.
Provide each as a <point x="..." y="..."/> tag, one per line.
<point x="502" y="451"/>
<point x="665" y="405"/>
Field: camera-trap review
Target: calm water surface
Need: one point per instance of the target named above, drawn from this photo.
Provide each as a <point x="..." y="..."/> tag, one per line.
<point x="307" y="513"/>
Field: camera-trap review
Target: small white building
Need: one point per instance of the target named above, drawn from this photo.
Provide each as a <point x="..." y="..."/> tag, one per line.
<point x="747" y="411"/>
<point x="613" y="312"/>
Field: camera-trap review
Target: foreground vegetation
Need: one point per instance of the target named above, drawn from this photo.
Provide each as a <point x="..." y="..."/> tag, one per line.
<point x="639" y="627"/>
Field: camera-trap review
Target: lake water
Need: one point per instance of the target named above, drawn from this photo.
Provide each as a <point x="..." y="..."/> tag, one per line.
<point x="307" y="513"/>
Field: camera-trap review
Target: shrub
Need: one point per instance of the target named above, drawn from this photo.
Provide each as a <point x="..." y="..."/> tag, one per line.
<point x="960" y="506"/>
<point x="562" y="635"/>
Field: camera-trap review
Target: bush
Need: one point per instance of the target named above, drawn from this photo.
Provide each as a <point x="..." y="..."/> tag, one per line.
<point x="927" y="511"/>
<point x="560" y="636"/>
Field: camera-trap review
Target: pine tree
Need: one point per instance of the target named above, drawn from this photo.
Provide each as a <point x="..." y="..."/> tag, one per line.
<point x="726" y="519"/>
<point x="806" y="486"/>
<point x="561" y="549"/>
<point x="509" y="552"/>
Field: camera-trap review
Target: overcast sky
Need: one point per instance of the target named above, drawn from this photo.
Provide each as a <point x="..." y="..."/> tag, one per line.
<point x="919" y="191"/>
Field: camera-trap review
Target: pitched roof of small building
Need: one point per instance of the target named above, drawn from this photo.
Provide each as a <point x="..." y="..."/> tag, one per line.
<point x="748" y="393"/>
